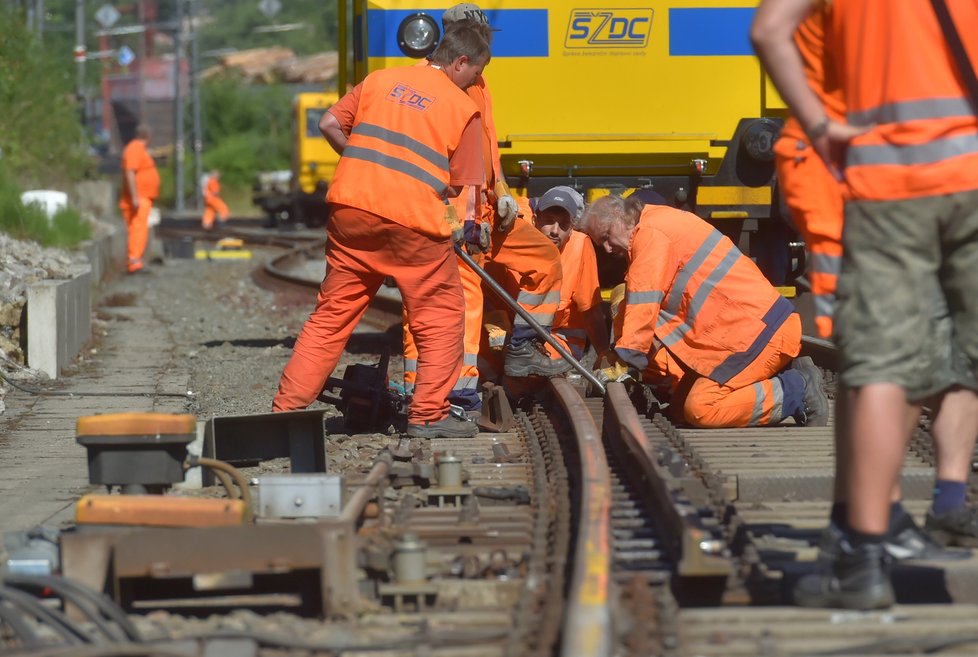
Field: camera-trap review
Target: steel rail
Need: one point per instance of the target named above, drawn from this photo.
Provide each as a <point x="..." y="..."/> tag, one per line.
<point x="588" y="619"/>
<point x="696" y="552"/>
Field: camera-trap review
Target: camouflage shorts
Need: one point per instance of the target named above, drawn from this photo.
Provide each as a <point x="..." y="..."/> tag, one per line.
<point x="908" y="294"/>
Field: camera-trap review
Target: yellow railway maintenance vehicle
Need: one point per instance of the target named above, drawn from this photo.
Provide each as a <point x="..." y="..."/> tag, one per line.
<point x="614" y="97"/>
<point x="299" y="195"/>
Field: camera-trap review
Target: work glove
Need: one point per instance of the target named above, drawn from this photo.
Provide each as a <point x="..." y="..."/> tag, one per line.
<point x="477" y="237"/>
<point x="506" y="208"/>
<point x="616" y="372"/>
<point x="451" y="218"/>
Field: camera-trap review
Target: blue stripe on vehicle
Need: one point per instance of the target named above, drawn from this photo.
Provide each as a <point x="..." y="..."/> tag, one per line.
<point x="520" y="32"/>
<point x="710" y="31"/>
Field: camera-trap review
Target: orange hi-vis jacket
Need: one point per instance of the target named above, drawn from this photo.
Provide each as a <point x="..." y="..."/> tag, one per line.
<point x="924" y="139"/>
<point x="408" y="123"/>
<point x="690" y="290"/>
<point x="213" y="187"/>
<point x="479" y="93"/>
<point x="579" y="289"/>
<point x="136" y="157"/>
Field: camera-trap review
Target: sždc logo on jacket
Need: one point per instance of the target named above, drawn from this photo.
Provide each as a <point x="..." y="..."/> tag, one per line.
<point x="402" y="94"/>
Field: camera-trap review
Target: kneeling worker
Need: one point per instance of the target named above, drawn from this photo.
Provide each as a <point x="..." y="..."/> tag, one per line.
<point x="697" y="305"/>
<point x="213" y="203"/>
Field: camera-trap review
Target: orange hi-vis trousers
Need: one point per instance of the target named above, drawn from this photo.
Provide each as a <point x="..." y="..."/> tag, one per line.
<point x="764" y="393"/>
<point x="213" y="205"/>
<point x="465" y="393"/>
<point x="137" y="225"/>
<point x="816" y="203"/>
<point x="361" y="250"/>
<point x="534" y="262"/>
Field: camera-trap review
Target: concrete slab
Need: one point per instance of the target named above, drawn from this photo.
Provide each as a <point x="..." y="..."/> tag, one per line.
<point x="59" y="321"/>
<point x="42" y="469"/>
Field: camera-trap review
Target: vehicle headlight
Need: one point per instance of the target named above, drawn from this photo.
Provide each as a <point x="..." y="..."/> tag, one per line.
<point x="418" y="35"/>
<point x="758" y="140"/>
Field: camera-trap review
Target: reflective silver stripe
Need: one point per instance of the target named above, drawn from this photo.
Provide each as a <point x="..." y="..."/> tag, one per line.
<point x="410" y="365"/>
<point x="396" y="164"/>
<point x="912" y="110"/>
<point x="544" y="319"/>
<point x="777" y="413"/>
<point x="530" y="299"/>
<point x="466" y="383"/>
<point x="470" y="359"/>
<point x="826" y="264"/>
<point x="824" y="304"/>
<point x="651" y="296"/>
<point x="571" y="332"/>
<point x="758" y="410"/>
<point x="935" y="151"/>
<point x="440" y="160"/>
<point x="689" y="270"/>
<point x="704" y="291"/>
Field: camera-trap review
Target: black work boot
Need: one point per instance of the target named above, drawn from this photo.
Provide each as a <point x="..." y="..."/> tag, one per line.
<point x="816" y="413"/>
<point x="906" y="540"/>
<point x="532" y="357"/>
<point x="447" y="427"/>
<point x="958" y="527"/>
<point x="859" y="578"/>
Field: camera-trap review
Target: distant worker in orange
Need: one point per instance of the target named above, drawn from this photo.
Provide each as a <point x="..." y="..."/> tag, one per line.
<point x="695" y="303"/>
<point x="140" y="187"/>
<point x="213" y="203"/>
<point x="492" y="232"/>
<point x="812" y="193"/>
<point x="409" y="138"/>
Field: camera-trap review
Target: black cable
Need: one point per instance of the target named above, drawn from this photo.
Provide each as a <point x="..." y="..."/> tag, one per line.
<point x="10" y="616"/>
<point x="94" y="605"/>
<point x="60" y="393"/>
<point x="69" y="630"/>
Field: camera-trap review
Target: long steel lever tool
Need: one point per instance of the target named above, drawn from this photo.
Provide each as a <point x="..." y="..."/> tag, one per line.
<point x="534" y="324"/>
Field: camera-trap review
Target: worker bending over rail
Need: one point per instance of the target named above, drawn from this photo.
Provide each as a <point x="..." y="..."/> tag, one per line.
<point x="700" y="316"/>
<point x="409" y="138"/>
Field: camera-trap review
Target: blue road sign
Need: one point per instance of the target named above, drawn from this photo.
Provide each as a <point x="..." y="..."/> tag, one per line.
<point x="125" y="56"/>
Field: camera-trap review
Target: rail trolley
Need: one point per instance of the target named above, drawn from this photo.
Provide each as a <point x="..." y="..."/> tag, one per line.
<point x="615" y="97"/>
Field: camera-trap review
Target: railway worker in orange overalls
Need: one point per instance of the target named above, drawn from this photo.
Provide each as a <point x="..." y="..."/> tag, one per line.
<point x="579" y="320"/>
<point x="213" y="203"/>
<point x="695" y="301"/>
<point x="492" y="231"/>
<point x="905" y="321"/>
<point x="409" y="138"/>
<point x="140" y="187"/>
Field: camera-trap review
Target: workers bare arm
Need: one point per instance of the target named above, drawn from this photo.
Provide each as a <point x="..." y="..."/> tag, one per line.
<point x="772" y="34"/>
<point x="330" y="126"/>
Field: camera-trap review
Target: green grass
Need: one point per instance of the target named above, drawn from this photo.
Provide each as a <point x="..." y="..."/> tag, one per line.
<point x="29" y="222"/>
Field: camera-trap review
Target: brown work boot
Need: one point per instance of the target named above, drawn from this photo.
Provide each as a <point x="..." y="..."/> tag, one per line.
<point x="533" y="358"/>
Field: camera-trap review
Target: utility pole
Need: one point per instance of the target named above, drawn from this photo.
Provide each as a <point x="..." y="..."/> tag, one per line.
<point x="80" y="56"/>
<point x="178" y="110"/>
<point x="141" y="60"/>
<point x="195" y="102"/>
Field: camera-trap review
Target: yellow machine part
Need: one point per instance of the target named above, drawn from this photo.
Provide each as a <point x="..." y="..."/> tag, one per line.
<point x="314" y="160"/>
<point x="158" y="511"/>
<point x="136" y="424"/>
<point x="605" y="90"/>
<point x="222" y="254"/>
<point x="230" y="243"/>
